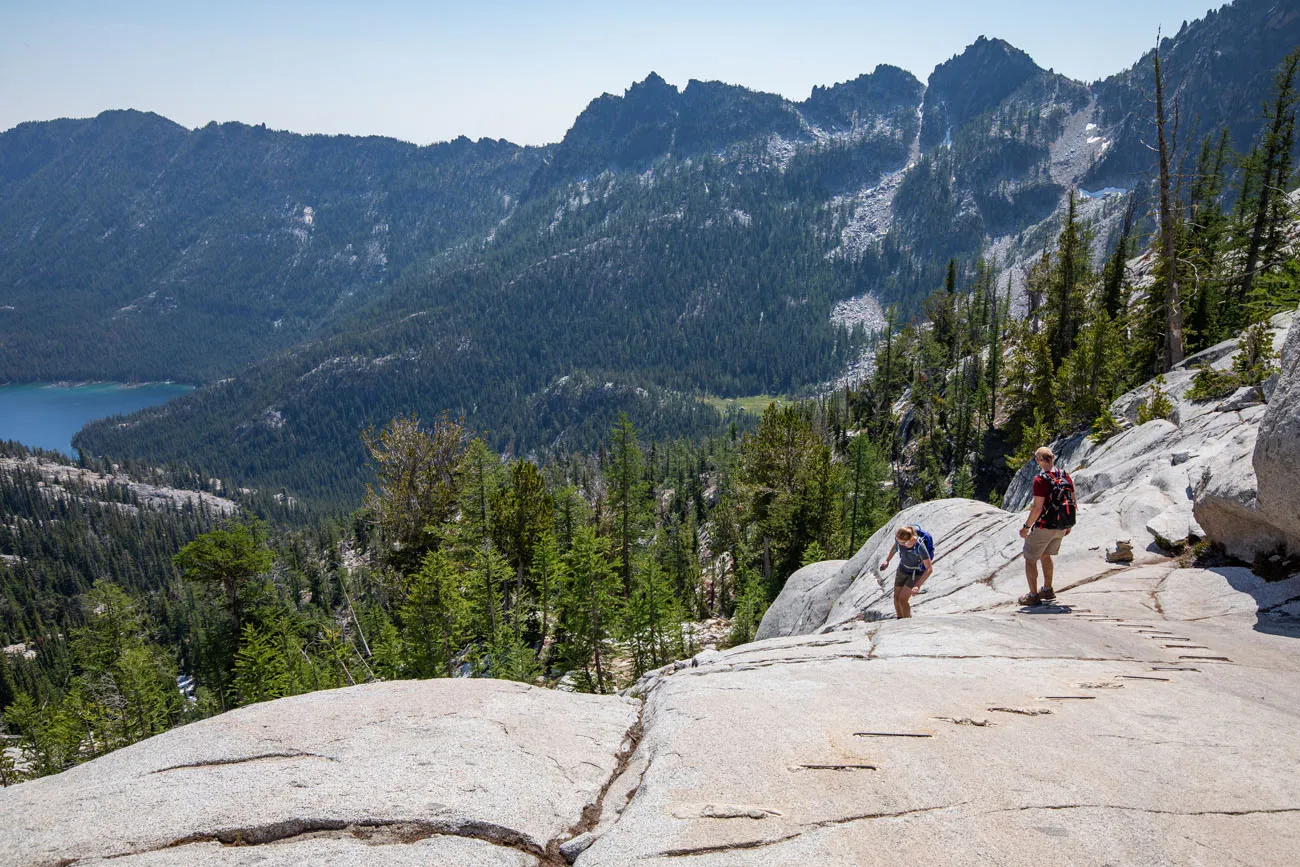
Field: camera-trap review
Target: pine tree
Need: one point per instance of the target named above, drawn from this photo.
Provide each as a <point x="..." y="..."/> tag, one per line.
<point x="867" y="501"/>
<point x="416" y="488"/>
<point x="1271" y="169"/>
<point x="263" y="668"/>
<point x="627" y="495"/>
<point x="435" y="616"/>
<point x="230" y="559"/>
<point x="524" y="512"/>
<point x="1168" y="254"/>
<point x="589" y="610"/>
<point x="1067" y="285"/>
<point x="548" y="573"/>
<point x="652" y="623"/>
<point x="473" y="538"/>
<point x="789" y="487"/>
<point x="1113" y="278"/>
<point x="49" y="738"/>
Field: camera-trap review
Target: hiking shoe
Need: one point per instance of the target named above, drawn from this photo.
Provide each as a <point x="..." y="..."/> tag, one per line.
<point x="1047" y="594"/>
<point x="1029" y="599"/>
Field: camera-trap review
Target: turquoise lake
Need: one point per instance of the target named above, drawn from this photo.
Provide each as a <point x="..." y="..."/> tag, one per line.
<point x="46" y="416"/>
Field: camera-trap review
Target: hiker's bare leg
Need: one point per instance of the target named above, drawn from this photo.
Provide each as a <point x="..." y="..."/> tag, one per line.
<point x="1031" y="574"/>
<point x="1047" y="571"/>
<point x="902" y="602"/>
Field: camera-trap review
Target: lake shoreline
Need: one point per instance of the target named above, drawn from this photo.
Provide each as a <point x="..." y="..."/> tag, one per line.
<point x="82" y="383"/>
<point x="48" y="415"/>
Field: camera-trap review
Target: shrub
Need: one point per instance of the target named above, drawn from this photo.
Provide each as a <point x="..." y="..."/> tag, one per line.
<point x="1254" y="361"/>
<point x="1212" y="384"/>
<point x="1104" y="427"/>
<point x="1157" y="405"/>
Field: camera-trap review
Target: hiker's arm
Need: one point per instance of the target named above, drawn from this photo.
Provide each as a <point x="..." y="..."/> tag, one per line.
<point x="1037" y="510"/>
<point x="888" y="557"/>
<point x="925" y="576"/>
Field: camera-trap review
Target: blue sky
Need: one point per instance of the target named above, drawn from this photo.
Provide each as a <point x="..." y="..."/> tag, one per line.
<point x="430" y="71"/>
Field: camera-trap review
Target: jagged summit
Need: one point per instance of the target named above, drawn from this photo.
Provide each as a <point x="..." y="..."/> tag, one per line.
<point x="1220" y="66"/>
<point x="653" y="119"/>
<point x="887" y="90"/>
<point x="971" y="83"/>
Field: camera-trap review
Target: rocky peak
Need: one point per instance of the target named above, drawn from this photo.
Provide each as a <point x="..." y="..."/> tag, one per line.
<point x="1220" y="68"/>
<point x="886" y="92"/>
<point x="652" y="119"/>
<point x="620" y="132"/>
<point x="971" y="83"/>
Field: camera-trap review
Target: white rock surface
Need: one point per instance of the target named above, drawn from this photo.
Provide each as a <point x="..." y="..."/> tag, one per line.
<point x="1199" y="468"/>
<point x="1146" y="718"/>
<point x="1275" y="460"/>
<point x="508" y="767"/>
<point x="811" y="591"/>
<point x="1106" y="733"/>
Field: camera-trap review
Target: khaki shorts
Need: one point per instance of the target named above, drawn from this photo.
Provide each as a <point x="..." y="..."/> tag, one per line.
<point x="1042" y="542"/>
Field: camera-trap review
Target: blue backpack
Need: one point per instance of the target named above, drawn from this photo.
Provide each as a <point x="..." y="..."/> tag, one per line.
<point x="927" y="539"/>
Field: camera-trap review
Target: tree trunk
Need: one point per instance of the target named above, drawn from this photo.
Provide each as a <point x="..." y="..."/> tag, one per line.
<point x="1173" y="304"/>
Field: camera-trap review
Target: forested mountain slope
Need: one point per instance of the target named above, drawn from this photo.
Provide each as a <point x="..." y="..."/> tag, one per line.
<point x="1220" y="68"/>
<point x="132" y="248"/>
<point x="675" y="243"/>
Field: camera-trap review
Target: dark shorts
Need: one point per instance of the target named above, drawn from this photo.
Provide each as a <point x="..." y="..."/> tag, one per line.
<point x="906" y="578"/>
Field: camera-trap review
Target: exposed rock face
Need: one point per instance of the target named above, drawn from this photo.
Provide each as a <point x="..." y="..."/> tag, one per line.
<point x="1143" y="720"/>
<point x="1146" y="718"/>
<point x="1277" y="451"/>
<point x="1158" y="484"/>
<point x="457" y="772"/>
<point x="1099" y="734"/>
<point x="811" y="593"/>
<point x="58" y="477"/>
<point x="1201" y="465"/>
<point x="1228" y="501"/>
<point x="1122" y="726"/>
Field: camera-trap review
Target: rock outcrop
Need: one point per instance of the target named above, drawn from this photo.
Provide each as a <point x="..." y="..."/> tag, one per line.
<point x="810" y="593"/>
<point x="1277" y="468"/>
<point x="1104" y="732"/>
<point x="447" y="772"/>
<point x="1146" y="719"/>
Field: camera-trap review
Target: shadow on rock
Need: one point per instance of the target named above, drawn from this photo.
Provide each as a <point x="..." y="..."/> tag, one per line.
<point x="1274" y="624"/>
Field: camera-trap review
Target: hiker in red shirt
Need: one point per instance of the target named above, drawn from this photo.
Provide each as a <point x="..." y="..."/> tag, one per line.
<point x="1050" y="521"/>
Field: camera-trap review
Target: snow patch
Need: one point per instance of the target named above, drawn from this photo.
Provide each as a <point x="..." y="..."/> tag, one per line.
<point x="1103" y="192"/>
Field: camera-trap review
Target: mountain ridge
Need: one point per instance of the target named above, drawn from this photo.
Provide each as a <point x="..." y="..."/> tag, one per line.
<point x="689" y="241"/>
